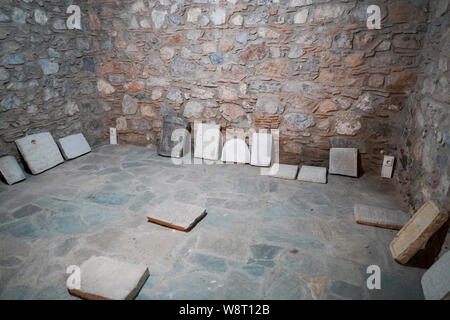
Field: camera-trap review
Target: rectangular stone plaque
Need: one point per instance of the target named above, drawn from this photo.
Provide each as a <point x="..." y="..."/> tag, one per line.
<point x="344" y="161"/>
<point x="380" y="217"/>
<point x="74" y="146"/>
<point x="208" y="141"/>
<point x="175" y="139"/>
<point x="11" y="170"/>
<point x="39" y="151"/>
<point x="417" y="231"/>
<point x="261" y="154"/>
<point x="104" y="278"/>
<point x="313" y="174"/>
<point x="436" y="280"/>
<point x="176" y="215"/>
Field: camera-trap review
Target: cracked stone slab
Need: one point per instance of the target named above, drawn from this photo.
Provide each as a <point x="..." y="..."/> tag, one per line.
<point x="10" y="170"/>
<point x="436" y="280"/>
<point x="344" y="161"/>
<point x="74" y="146"/>
<point x="39" y="151"/>
<point x="313" y="174"/>
<point x="176" y="215"/>
<point x="104" y="278"/>
<point x="380" y="217"/>
<point x="425" y="222"/>
<point x="283" y="171"/>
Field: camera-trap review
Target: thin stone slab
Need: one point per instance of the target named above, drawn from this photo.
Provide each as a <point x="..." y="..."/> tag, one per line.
<point x="74" y="146"/>
<point x="10" y="170"/>
<point x="175" y="139"/>
<point x="436" y="280"/>
<point x="39" y="151"/>
<point x="380" y="217"/>
<point x="261" y="154"/>
<point x="104" y="278"/>
<point x="236" y="151"/>
<point x="283" y="171"/>
<point x="417" y="231"/>
<point x="176" y="215"/>
<point x="344" y="161"/>
<point x="208" y="141"/>
<point x="313" y="174"/>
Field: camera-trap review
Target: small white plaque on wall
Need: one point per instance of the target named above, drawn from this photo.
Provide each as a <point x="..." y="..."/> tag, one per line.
<point x="388" y="167"/>
<point x="112" y="135"/>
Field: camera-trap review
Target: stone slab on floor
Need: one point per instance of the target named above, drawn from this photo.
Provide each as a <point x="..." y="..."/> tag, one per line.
<point x="208" y="141"/>
<point x="313" y="174"/>
<point x="11" y="170"/>
<point x="74" y="146"/>
<point x="104" y="278"/>
<point x="176" y="215"/>
<point x="261" y="154"/>
<point x="236" y="151"/>
<point x="344" y="161"/>
<point x="380" y="217"/>
<point x="436" y="280"/>
<point x="283" y="171"/>
<point x="174" y="128"/>
<point x="39" y="151"/>
<point x="425" y="222"/>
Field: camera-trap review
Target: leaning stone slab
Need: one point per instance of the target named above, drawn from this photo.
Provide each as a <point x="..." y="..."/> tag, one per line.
<point x="39" y="151"/>
<point x="74" y="146"/>
<point x="103" y="278"/>
<point x="208" y="141"/>
<point x="176" y="215"/>
<point x="283" y="171"/>
<point x="417" y="231"/>
<point x="380" y="217"/>
<point x="312" y="174"/>
<point x="175" y="139"/>
<point x="236" y="151"/>
<point x="10" y="170"/>
<point x="436" y="280"/>
<point x="344" y="161"/>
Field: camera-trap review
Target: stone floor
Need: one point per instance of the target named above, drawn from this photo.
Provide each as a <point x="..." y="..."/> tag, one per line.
<point x="263" y="238"/>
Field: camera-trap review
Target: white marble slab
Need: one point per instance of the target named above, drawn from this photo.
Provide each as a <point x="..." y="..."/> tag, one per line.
<point x="261" y="154"/>
<point x="236" y="151"/>
<point x="208" y="141"/>
<point x="39" y="151"/>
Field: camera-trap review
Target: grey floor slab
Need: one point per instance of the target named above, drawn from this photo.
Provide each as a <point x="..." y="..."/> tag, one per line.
<point x="39" y="151"/>
<point x="176" y="215"/>
<point x="436" y="281"/>
<point x="380" y="217"/>
<point x="74" y="146"/>
<point x="313" y="174"/>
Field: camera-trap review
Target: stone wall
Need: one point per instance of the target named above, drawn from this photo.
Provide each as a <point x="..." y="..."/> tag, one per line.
<point x="310" y="68"/>
<point x="47" y="73"/>
<point x="423" y="164"/>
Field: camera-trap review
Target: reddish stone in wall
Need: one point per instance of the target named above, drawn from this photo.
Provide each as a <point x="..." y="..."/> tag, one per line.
<point x="401" y="11"/>
<point x="400" y="80"/>
<point x="257" y="52"/>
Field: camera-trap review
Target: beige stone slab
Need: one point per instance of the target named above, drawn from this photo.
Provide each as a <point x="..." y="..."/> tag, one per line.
<point x="380" y="217"/>
<point x="176" y="215"/>
<point x="104" y="278"/>
<point x="417" y="231"/>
